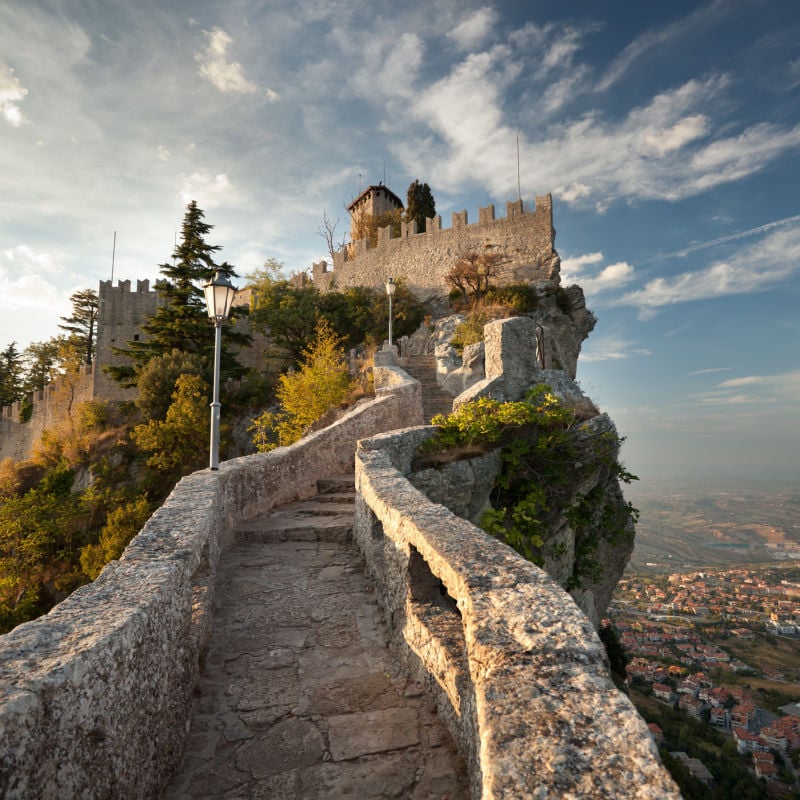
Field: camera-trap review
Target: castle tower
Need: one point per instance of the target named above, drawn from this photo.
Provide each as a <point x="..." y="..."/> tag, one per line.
<point x="372" y="201"/>
<point x="121" y="313"/>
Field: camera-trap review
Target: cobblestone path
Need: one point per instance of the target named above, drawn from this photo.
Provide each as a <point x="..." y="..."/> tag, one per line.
<point x="299" y="696"/>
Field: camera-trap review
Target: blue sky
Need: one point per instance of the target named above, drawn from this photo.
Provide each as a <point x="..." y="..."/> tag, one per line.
<point x="668" y="134"/>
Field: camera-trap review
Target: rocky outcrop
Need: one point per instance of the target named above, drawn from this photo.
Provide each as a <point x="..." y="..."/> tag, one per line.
<point x="562" y="323"/>
<point x="588" y="532"/>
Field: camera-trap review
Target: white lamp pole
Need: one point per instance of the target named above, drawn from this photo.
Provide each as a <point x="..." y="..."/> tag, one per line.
<point x="390" y="287"/>
<point x="219" y="294"/>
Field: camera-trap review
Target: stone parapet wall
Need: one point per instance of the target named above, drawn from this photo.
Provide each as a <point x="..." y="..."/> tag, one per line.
<point x="520" y="675"/>
<point x="95" y="696"/>
<point x="422" y="259"/>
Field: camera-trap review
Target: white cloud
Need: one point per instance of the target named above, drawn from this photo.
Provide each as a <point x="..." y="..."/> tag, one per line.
<point x="664" y="149"/>
<point x="574" y="266"/>
<point x="22" y="260"/>
<point x="759" y="267"/>
<point x="210" y="191"/>
<point x="680" y="134"/>
<point x="11" y="93"/>
<point x="388" y="66"/>
<point x="708" y="371"/>
<point x="612" y="276"/>
<point x="611" y="347"/>
<point x="27" y="281"/>
<point x="475" y="28"/>
<point x="227" y="76"/>
<point x="736" y="157"/>
<point x="163" y="153"/>
<point x="781" y="389"/>
<point x="574" y="192"/>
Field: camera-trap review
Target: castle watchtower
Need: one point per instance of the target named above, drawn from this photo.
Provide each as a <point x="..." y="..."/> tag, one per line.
<point x="374" y="200"/>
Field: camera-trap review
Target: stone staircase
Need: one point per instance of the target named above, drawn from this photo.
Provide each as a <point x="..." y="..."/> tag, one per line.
<point x="434" y="399"/>
<point x="300" y="697"/>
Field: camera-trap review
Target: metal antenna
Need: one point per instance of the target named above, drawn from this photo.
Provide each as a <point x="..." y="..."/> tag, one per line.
<point x="113" y="256"/>
<point x="519" y="186"/>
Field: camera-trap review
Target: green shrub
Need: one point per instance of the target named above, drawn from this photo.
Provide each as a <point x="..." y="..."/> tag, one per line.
<point x="469" y="332"/>
<point x="518" y="297"/>
<point x="538" y="475"/>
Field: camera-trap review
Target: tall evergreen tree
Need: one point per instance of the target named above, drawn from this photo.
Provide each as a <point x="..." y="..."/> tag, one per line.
<point x="81" y="325"/>
<point x="419" y="204"/>
<point x="11" y="375"/>
<point x="180" y="322"/>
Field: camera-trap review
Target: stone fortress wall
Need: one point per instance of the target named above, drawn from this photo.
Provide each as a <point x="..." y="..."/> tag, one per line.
<point x="121" y="312"/>
<point x="17" y="439"/>
<point x="422" y="259"/>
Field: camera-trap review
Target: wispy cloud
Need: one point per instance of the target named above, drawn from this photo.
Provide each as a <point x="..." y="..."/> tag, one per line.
<point x="12" y="92"/>
<point x="613" y="346"/>
<point x="708" y="371"/>
<point x="652" y="40"/>
<point x="210" y="191"/>
<point x="612" y="276"/>
<point x="759" y="267"/>
<point x="778" y="389"/>
<point x="227" y="76"/>
<point x="732" y="237"/>
<point x="475" y="28"/>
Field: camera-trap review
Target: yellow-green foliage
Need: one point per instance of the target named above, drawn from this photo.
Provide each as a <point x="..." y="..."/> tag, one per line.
<point x="539" y="472"/>
<point x="174" y="443"/>
<point x="470" y="331"/>
<point x="321" y="383"/>
<point x="122" y="524"/>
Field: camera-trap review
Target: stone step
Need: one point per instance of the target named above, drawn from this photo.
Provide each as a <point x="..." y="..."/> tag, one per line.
<point x="337" y="483"/>
<point x="337" y="497"/>
<point x="323" y="518"/>
<point x="434" y="399"/>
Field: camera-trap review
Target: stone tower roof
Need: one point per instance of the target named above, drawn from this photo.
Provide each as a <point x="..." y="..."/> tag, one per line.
<point x="380" y="197"/>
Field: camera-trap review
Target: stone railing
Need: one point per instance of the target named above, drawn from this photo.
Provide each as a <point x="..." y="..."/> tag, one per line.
<point x="518" y="671"/>
<point x="95" y="696"/>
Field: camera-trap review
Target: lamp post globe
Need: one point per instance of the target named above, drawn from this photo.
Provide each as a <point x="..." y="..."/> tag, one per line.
<point x="219" y="293"/>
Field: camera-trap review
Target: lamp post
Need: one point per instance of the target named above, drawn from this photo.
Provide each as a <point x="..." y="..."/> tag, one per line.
<point x="219" y="294"/>
<point x="390" y="287"/>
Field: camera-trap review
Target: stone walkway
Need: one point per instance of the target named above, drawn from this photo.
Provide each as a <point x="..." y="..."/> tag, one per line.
<point x="299" y="696"/>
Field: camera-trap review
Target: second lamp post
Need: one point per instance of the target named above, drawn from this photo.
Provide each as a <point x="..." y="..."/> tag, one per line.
<point x="390" y="287"/>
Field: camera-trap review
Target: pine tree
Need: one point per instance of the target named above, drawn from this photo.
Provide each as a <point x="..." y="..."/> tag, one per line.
<point x="11" y="382"/>
<point x="420" y="204"/>
<point x="81" y="325"/>
<point x="181" y="321"/>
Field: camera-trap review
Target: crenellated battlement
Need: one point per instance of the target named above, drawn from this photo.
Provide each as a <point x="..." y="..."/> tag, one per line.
<point x="525" y="237"/>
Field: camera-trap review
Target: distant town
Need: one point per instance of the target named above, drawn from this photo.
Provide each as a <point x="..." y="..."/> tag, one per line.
<point x="721" y="647"/>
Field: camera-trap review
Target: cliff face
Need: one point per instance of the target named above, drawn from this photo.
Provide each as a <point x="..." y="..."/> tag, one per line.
<point x="583" y="529"/>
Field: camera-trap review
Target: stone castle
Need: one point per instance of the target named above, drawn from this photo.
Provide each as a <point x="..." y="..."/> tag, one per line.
<point x="526" y="238"/>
